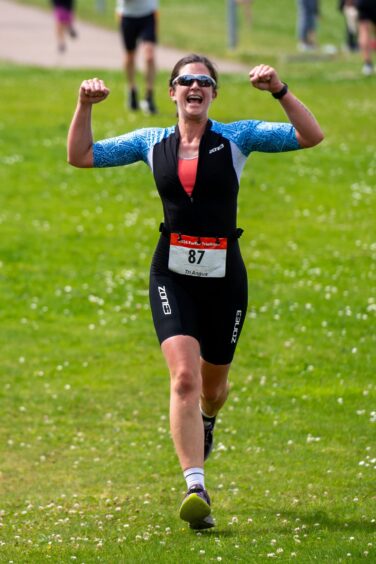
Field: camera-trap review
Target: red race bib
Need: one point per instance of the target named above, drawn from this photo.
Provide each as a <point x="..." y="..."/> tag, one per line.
<point x="198" y="256"/>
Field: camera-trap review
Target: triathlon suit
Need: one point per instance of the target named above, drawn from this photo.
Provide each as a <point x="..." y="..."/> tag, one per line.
<point x="206" y="302"/>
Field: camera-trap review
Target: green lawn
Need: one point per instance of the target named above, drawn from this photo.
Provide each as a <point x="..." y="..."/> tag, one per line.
<point x="202" y="26"/>
<point x="87" y="468"/>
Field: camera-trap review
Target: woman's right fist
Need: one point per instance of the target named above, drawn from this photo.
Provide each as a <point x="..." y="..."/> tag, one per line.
<point x="93" y="91"/>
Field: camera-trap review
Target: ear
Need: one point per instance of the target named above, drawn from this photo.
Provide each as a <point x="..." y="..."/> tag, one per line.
<point x="171" y="92"/>
<point x="215" y="94"/>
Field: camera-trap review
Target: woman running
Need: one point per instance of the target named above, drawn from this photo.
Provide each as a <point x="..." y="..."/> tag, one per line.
<point x="198" y="281"/>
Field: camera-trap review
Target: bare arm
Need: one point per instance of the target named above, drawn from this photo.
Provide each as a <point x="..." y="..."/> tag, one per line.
<point x="80" y="137"/>
<point x="308" y="131"/>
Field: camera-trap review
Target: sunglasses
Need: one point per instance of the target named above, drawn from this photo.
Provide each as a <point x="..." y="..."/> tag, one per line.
<point x="203" y="80"/>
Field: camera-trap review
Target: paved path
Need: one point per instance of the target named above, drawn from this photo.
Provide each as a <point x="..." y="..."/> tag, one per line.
<point x="27" y="37"/>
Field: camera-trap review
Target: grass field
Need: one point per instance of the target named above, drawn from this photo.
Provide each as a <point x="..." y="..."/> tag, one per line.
<point x="202" y="26"/>
<point x="87" y="468"/>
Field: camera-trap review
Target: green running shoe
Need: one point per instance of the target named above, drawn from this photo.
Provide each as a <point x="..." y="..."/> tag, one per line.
<point x="196" y="509"/>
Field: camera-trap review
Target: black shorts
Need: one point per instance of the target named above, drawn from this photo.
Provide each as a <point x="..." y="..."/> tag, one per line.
<point x="212" y="310"/>
<point x="367" y="10"/>
<point x="134" y="29"/>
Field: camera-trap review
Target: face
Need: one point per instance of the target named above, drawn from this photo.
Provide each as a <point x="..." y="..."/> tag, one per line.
<point x="193" y="101"/>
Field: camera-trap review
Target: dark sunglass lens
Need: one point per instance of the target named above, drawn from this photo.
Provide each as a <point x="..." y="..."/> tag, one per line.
<point x="204" y="82"/>
<point x="185" y="80"/>
<point x="188" y="79"/>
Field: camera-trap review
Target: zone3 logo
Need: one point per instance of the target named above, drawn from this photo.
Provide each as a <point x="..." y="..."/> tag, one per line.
<point x="215" y="149"/>
<point x="238" y="317"/>
<point x="164" y="300"/>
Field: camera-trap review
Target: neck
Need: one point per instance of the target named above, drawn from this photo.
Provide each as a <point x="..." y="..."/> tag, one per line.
<point x="191" y="130"/>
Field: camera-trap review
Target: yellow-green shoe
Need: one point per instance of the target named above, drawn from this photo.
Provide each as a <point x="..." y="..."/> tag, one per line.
<point x="196" y="509"/>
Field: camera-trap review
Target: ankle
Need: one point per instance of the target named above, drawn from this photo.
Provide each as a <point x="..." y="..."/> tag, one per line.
<point x="208" y="416"/>
<point x="194" y="476"/>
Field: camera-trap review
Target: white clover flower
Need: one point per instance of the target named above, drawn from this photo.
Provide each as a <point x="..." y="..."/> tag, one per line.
<point x="312" y="439"/>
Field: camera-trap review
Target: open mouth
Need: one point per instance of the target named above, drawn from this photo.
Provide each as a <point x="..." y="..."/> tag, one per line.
<point x="194" y="99"/>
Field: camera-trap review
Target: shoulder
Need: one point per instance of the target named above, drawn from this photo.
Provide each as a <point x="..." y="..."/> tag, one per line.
<point x="152" y="135"/>
<point x="235" y="129"/>
<point x="238" y="132"/>
<point x="258" y="135"/>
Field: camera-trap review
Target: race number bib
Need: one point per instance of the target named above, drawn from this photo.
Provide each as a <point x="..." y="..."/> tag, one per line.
<point x="198" y="256"/>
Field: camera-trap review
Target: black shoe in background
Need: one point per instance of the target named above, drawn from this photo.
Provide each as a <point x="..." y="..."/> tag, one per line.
<point x="133" y="100"/>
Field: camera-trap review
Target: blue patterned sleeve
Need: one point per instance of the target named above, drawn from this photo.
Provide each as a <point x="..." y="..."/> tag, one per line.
<point x="263" y="136"/>
<point x="125" y="149"/>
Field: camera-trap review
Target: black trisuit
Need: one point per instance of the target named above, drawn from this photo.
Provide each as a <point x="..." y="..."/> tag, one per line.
<point x="211" y="309"/>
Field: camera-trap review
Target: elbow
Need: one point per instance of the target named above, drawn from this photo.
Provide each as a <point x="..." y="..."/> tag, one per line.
<point x="79" y="162"/>
<point x="313" y="140"/>
<point x="319" y="138"/>
<point x="71" y="161"/>
<point x="74" y="162"/>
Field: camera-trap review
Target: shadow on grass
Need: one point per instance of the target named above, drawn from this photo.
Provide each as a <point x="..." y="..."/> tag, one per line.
<point x="216" y="532"/>
<point x="282" y="524"/>
<point x="326" y="521"/>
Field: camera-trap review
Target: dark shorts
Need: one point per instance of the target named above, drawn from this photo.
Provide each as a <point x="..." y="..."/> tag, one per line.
<point x="135" y="29"/>
<point x="367" y="10"/>
<point x="67" y="4"/>
<point x="212" y="310"/>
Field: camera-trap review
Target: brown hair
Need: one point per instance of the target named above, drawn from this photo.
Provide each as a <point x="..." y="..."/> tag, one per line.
<point x="194" y="58"/>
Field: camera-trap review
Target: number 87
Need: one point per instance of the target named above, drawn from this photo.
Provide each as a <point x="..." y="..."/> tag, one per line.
<point x="192" y="256"/>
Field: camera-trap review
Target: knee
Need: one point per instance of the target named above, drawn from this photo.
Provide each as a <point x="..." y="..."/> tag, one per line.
<point x="149" y="54"/>
<point x="185" y="384"/>
<point x="130" y="57"/>
<point x="149" y="61"/>
<point x="216" y="394"/>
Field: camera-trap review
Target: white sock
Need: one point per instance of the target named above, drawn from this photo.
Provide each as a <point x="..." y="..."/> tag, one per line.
<point x="194" y="476"/>
<point x="205" y="415"/>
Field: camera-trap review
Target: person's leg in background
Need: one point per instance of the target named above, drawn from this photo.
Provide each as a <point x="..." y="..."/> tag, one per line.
<point x="129" y="32"/>
<point x="150" y="71"/>
<point x="365" y="43"/>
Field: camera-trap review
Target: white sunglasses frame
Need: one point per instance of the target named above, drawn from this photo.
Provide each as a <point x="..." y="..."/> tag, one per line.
<point x="195" y="77"/>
